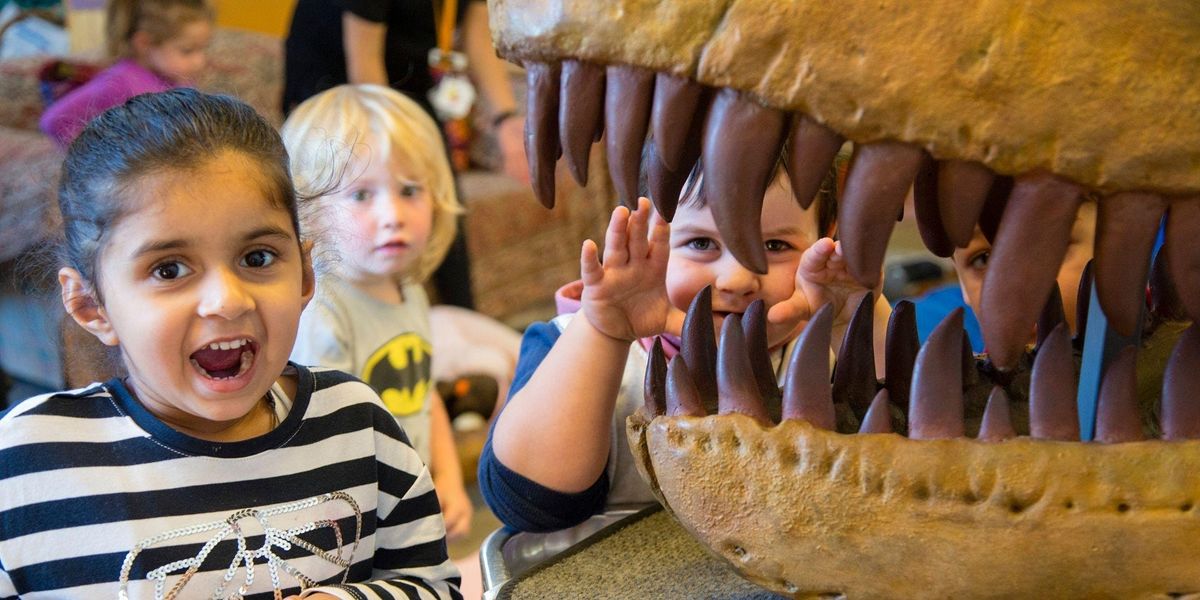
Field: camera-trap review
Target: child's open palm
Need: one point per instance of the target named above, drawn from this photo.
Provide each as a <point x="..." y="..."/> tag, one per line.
<point x="821" y="278"/>
<point x="625" y="296"/>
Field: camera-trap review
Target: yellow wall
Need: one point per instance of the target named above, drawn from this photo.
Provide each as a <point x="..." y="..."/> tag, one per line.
<point x="268" y="16"/>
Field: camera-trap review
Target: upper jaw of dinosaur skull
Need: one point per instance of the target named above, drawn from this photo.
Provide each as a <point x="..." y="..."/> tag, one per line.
<point x="991" y="113"/>
<point x="1102" y="94"/>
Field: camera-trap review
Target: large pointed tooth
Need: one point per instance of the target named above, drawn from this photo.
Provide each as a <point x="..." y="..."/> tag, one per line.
<point x="1052" y="315"/>
<point x="876" y="185"/>
<point x="936" y="403"/>
<point x="1180" y="405"/>
<point x="1183" y="231"/>
<point x="698" y="347"/>
<point x="811" y="150"/>
<point x="664" y="183"/>
<point x="655" y="385"/>
<point x="541" y="128"/>
<point x="673" y="118"/>
<point x="929" y="213"/>
<point x="1053" y="414"/>
<point x="879" y="416"/>
<point x="997" y="418"/>
<point x="969" y="371"/>
<point x="900" y="353"/>
<point x="854" y="373"/>
<point x="1083" y="299"/>
<point x="754" y="327"/>
<point x="1117" y="418"/>
<point x="963" y="188"/>
<point x="737" y="390"/>
<point x="682" y="397"/>
<point x="627" y="98"/>
<point x="1029" y="249"/>
<point x="993" y="207"/>
<point x="1126" y="226"/>
<point x="807" y="394"/>
<point x="580" y="114"/>
<point x="742" y="139"/>
<point x="1165" y="303"/>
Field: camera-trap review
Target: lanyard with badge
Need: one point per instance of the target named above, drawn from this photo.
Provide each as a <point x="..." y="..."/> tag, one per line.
<point x="452" y="94"/>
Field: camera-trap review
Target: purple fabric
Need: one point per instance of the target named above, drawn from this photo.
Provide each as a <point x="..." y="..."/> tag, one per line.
<point x="64" y="119"/>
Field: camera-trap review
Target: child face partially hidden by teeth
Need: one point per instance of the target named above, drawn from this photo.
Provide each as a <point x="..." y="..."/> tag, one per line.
<point x="203" y="282"/>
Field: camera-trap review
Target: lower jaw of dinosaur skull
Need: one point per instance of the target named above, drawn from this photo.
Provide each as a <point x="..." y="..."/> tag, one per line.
<point x="879" y="515"/>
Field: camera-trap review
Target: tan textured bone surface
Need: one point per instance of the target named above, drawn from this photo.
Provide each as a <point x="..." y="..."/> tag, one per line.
<point x="806" y="512"/>
<point x="1103" y="93"/>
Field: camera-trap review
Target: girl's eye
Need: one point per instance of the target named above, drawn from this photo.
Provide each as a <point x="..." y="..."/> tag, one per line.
<point x="360" y="195"/>
<point x="701" y="244"/>
<point x="259" y="259"/>
<point x="170" y="270"/>
<point x="410" y="190"/>
<point x="777" y="245"/>
<point x="979" y="261"/>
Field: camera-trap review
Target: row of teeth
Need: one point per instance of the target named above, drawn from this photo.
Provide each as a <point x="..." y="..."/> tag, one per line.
<point x="1027" y="216"/>
<point x="927" y="382"/>
<point x="234" y="345"/>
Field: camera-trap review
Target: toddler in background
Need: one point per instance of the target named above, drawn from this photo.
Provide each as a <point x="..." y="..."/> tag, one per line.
<point x="215" y="468"/>
<point x="382" y="217"/>
<point x="558" y="452"/>
<point x="159" y="44"/>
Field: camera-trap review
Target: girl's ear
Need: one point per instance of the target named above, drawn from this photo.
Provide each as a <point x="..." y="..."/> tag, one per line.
<point x="141" y="43"/>
<point x="308" y="281"/>
<point x="81" y="304"/>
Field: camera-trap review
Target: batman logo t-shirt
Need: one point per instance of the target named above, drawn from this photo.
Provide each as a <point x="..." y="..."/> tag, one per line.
<point x="400" y="371"/>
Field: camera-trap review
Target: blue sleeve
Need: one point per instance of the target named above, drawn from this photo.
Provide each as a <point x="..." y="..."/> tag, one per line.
<point x="933" y="306"/>
<point x="521" y="503"/>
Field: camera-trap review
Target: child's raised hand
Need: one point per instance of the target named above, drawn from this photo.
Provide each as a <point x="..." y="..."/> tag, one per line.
<point x="821" y="278"/>
<point x="625" y="296"/>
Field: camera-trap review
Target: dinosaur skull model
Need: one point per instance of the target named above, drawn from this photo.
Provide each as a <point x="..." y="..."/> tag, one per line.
<point x="997" y="113"/>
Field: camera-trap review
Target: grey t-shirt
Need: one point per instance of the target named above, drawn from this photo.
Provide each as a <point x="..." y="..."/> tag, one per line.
<point x="386" y="345"/>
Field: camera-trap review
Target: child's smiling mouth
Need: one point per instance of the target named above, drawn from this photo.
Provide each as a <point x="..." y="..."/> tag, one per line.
<point x="226" y="359"/>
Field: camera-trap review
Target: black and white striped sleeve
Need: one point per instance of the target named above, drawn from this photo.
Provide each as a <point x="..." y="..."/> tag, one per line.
<point x="411" y="560"/>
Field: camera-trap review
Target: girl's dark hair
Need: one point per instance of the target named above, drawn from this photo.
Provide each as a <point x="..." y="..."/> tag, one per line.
<point x="176" y="130"/>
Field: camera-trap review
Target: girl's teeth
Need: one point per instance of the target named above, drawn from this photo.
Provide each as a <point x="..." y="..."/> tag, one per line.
<point x="228" y="345"/>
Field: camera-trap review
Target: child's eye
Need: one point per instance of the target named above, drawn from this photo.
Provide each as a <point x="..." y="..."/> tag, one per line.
<point x="259" y="259"/>
<point x="702" y="244"/>
<point x="777" y="245"/>
<point x="360" y="195"/>
<point x="170" y="270"/>
<point x="410" y="190"/>
<point x="979" y="261"/>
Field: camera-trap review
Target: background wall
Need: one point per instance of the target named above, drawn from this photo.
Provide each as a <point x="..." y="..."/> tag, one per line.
<point x="267" y="16"/>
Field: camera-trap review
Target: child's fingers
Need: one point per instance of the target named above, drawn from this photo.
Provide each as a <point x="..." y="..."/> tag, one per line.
<point x="816" y="258"/>
<point x="795" y="308"/>
<point x="660" y="251"/>
<point x="639" y="227"/>
<point x="616" y="239"/>
<point x="590" y="270"/>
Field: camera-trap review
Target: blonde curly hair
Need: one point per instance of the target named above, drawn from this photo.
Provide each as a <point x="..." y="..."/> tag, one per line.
<point x="322" y="135"/>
